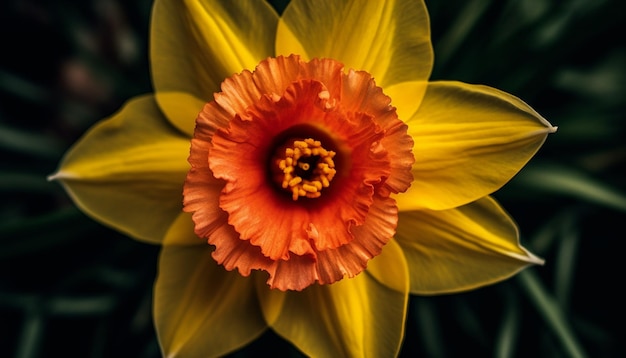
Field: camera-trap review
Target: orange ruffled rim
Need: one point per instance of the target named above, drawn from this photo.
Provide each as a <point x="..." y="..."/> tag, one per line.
<point x="255" y="224"/>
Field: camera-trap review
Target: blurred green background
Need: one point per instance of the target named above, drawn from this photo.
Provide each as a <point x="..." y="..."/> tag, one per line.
<point x="71" y="287"/>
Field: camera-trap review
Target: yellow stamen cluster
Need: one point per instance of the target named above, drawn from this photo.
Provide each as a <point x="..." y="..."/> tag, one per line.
<point x="299" y="158"/>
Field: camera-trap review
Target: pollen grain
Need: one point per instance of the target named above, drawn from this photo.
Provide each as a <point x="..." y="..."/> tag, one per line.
<point x="306" y="168"/>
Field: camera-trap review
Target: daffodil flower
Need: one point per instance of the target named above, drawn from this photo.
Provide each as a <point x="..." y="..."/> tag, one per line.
<point x="303" y="175"/>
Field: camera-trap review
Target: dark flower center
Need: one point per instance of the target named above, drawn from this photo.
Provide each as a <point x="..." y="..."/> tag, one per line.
<point x="303" y="167"/>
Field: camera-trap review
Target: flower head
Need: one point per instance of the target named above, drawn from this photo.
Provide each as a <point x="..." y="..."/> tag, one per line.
<point x="328" y="176"/>
<point x="308" y="156"/>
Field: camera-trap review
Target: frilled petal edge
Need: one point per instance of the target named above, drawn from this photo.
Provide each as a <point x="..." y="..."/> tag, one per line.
<point x="127" y="171"/>
<point x="461" y="249"/>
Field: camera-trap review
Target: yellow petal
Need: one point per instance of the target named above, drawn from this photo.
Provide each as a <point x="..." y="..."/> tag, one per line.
<point x="390" y="267"/>
<point x="406" y="97"/>
<point x="128" y="171"/>
<point x="181" y="109"/>
<point x="200" y="309"/>
<point x="196" y="44"/>
<point x="461" y="249"/>
<point x="357" y="317"/>
<point x="389" y="39"/>
<point x="469" y="141"/>
<point x="181" y="232"/>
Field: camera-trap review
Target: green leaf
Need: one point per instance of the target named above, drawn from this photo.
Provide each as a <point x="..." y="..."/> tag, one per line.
<point x="428" y="319"/>
<point x="563" y="180"/>
<point x="43" y="232"/>
<point x="26" y="182"/>
<point x="32" y="143"/>
<point x="551" y="312"/>
<point x="564" y="273"/>
<point x="506" y="341"/>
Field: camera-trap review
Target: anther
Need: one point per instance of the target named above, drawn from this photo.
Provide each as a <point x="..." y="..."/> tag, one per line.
<point x="306" y="168"/>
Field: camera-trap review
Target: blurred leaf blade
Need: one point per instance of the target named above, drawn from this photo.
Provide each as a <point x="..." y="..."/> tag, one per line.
<point x="30" y="142"/>
<point x="549" y="309"/>
<point x="572" y="182"/>
<point x="30" y="235"/>
<point x="565" y="270"/>
<point x="19" y="181"/>
<point x="22" y="88"/>
<point x="508" y="334"/>
<point x="427" y="320"/>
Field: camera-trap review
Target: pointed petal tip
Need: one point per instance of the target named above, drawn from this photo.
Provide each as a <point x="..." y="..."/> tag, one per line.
<point x="529" y="258"/>
<point x="549" y="127"/>
<point x="461" y="249"/>
<point x="52" y="177"/>
<point x="533" y="259"/>
<point x="60" y="175"/>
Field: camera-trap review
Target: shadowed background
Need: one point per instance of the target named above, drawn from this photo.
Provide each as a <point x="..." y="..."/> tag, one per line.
<point x="71" y="287"/>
